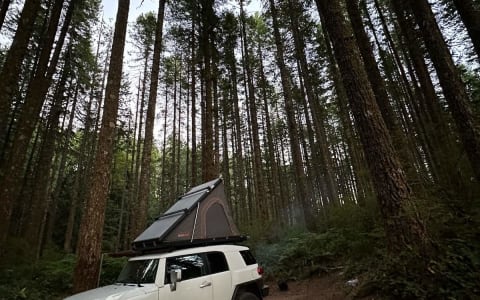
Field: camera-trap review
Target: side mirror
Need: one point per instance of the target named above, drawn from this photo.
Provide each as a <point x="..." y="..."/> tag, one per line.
<point x="175" y="276"/>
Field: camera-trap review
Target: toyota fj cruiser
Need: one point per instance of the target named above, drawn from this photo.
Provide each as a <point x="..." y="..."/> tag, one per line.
<point x="218" y="272"/>
<point x="187" y="254"/>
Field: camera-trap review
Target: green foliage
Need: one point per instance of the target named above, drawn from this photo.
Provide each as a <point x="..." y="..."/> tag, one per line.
<point x="49" y="278"/>
<point x="451" y="270"/>
<point x="453" y="274"/>
<point x="111" y="267"/>
<point x="350" y="234"/>
<point x="352" y="237"/>
<point x="472" y="82"/>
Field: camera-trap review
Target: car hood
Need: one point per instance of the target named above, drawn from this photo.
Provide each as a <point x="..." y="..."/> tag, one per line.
<point x="115" y="292"/>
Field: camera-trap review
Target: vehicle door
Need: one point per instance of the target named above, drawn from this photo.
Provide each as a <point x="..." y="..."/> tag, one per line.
<point x="220" y="274"/>
<point x="195" y="282"/>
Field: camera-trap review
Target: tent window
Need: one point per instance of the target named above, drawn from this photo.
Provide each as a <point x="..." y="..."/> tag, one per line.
<point x="217" y="223"/>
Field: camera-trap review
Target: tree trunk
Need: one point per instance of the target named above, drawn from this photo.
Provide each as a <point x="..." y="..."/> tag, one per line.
<point x="3" y="12"/>
<point x="361" y="178"/>
<point x="450" y="80"/>
<point x="260" y="195"/>
<point x="9" y="189"/>
<point x="10" y="77"/>
<point x="439" y="145"/>
<point x="144" y="184"/>
<point x="60" y="178"/>
<point x="137" y="157"/>
<point x="237" y="139"/>
<point x="320" y="148"/>
<point x="39" y="201"/>
<point x="209" y="171"/>
<point x="403" y="230"/>
<point x="91" y="227"/>
<point x="470" y="15"/>
<point x="193" y="92"/>
<point x="302" y="196"/>
<point x="272" y="162"/>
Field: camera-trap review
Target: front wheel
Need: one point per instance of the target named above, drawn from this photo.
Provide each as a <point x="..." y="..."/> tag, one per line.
<point x="247" y="296"/>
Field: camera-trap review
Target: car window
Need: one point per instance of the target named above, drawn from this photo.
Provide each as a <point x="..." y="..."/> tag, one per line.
<point x="192" y="266"/>
<point x="248" y="257"/>
<point x="217" y="262"/>
<point x="139" y="271"/>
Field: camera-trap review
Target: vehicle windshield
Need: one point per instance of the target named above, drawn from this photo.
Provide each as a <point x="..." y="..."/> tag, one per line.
<point x="139" y="271"/>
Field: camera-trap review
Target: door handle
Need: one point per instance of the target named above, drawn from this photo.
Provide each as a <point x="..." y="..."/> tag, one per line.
<point x="205" y="284"/>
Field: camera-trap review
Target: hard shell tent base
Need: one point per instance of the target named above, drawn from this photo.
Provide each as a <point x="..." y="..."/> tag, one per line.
<point x="199" y="217"/>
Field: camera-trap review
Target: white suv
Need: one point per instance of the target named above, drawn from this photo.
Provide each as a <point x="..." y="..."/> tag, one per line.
<point x="219" y="272"/>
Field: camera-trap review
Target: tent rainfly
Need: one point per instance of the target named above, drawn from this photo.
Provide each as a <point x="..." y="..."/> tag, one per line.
<point x="201" y="216"/>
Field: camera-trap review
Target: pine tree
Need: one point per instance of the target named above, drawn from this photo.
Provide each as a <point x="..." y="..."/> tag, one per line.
<point x="144" y="184"/>
<point x="292" y="124"/>
<point x="450" y="80"/>
<point x="394" y="196"/>
<point x="91" y="228"/>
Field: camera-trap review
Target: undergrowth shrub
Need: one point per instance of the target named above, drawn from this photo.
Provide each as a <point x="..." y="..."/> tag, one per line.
<point x="454" y="273"/>
<point x="450" y="271"/>
<point x="349" y="233"/>
<point x="353" y="238"/>
<point x="49" y="278"/>
<point x="46" y="279"/>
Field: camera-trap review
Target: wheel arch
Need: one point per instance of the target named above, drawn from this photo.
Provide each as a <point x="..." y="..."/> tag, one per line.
<point x="250" y="286"/>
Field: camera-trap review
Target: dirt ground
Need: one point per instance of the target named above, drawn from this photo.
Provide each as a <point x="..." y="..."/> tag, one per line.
<point x="325" y="287"/>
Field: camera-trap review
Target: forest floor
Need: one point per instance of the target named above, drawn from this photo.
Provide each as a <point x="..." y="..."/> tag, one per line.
<point x="325" y="287"/>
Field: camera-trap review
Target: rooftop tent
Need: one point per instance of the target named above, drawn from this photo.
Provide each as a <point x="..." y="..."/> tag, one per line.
<point x="201" y="216"/>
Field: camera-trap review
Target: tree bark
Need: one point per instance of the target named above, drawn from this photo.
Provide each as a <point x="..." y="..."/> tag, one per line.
<point x="193" y="92"/>
<point x="9" y="189"/>
<point x="209" y="171"/>
<point x="470" y="15"/>
<point x="403" y="228"/>
<point x="260" y="195"/>
<point x="320" y="150"/>
<point x="91" y="227"/>
<point x="144" y="184"/>
<point x="361" y="180"/>
<point x="450" y="80"/>
<point x="302" y="196"/>
<point x="10" y="78"/>
<point x="3" y="11"/>
<point x="276" y="196"/>
<point x="40" y="201"/>
<point x="438" y="141"/>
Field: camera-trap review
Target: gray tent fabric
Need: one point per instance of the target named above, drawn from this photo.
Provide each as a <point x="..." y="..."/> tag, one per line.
<point x="202" y="215"/>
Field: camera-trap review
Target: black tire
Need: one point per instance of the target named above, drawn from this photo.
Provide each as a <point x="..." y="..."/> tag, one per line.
<point x="247" y="296"/>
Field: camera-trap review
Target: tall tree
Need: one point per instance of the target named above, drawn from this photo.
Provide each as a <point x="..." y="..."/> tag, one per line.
<point x="450" y="80"/>
<point x="193" y="97"/>
<point x="91" y="228"/>
<point x="10" y="75"/>
<point x="259" y="182"/>
<point x="208" y="19"/>
<point x="144" y="35"/>
<point x="292" y="123"/>
<point x="469" y="12"/>
<point x="35" y="97"/>
<point x="435" y="132"/>
<point x="3" y="11"/>
<point x="403" y="229"/>
<point x="320" y="152"/>
<point x="39" y="202"/>
<point x="144" y="184"/>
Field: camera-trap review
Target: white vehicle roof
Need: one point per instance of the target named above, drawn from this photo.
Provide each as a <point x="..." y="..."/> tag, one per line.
<point x="221" y="248"/>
